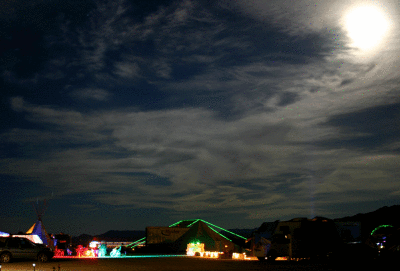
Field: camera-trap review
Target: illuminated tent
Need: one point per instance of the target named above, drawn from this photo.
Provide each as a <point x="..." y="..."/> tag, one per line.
<point x="198" y="230"/>
<point x="202" y="233"/>
<point x="4" y="234"/>
<point x="39" y="230"/>
<point x="32" y="237"/>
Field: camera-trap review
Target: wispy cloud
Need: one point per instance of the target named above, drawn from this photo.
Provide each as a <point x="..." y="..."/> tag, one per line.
<point x="196" y="152"/>
<point x="91" y="94"/>
<point x="255" y="108"/>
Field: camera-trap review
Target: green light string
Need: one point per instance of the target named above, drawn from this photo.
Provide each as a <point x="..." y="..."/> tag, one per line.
<point x="221" y="235"/>
<point x="137" y="242"/>
<point x="192" y="223"/>
<point x="379" y="227"/>
<point x="176" y="223"/>
<point x="224" y="229"/>
<point x="140" y="241"/>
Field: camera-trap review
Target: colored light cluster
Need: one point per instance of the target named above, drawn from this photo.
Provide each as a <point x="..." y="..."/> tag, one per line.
<point x="98" y="250"/>
<point x="197" y="248"/>
<point x="94" y="244"/>
<point x="116" y="252"/>
<point x="58" y="253"/>
<point x="210" y="254"/>
<point x="240" y="256"/>
<point x="193" y="248"/>
<point x="102" y="250"/>
<point x="139" y="256"/>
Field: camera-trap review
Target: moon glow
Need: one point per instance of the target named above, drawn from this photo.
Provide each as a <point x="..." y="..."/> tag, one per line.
<point x="366" y="27"/>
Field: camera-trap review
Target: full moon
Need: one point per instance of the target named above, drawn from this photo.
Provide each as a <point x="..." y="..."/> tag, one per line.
<point x="366" y="26"/>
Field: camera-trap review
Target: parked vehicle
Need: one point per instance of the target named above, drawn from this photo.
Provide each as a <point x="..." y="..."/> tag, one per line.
<point x="300" y="238"/>
<point x="22" y="248"/>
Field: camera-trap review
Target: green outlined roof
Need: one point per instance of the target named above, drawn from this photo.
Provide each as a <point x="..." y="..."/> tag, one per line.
<point x="187" y="223"/>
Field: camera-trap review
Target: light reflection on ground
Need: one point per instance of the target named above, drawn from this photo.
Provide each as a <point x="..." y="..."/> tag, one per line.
<point x="111" y="257"/>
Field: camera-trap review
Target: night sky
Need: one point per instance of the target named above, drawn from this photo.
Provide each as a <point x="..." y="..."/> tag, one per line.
<point x="125" y="114"/>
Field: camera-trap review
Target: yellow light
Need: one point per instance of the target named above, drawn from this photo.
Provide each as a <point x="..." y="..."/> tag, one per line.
<point x="193" y="248"/>
<point x="89" y="253"/>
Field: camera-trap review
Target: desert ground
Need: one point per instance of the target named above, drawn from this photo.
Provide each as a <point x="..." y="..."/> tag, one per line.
<point x="174" y="264"/>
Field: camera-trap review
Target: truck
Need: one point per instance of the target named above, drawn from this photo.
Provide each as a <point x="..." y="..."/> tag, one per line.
<point x="299" y="238"/>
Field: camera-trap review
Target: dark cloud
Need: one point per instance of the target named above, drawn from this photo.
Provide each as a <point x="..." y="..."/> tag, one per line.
<point x="146" y="178"/>
<point x="287" y="98"/>
<point x="346" y="82"/>
<point x="368" y="129"/>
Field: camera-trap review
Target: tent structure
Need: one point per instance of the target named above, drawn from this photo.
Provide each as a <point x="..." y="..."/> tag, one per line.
<point x="33" y="237"/>
<point x="38" y="227"/>
<point x="39" y="230"/>
<point x="177" y="236"/>
<point x="202" y="233"/>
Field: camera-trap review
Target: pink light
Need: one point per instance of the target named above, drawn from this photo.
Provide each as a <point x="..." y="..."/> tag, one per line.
<point x="74" y="257"/>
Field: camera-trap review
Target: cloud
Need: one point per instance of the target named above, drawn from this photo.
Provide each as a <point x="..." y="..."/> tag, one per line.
<point x="376" y="127"/>
<point x="194" y="161"/>
<point x="17" y="104"/>
<point x="299" y="17"/>
<point x="127" y="69"/>
<point x="91" y="94"/>
<point x="242" y="126"/>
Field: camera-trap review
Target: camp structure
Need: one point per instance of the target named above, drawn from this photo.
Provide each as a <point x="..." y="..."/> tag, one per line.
<point x="39" y="230"/>
<point x="32" y="237"/>
<point x="4" y="234"/>
<point x="175" y="238"/>
<point x="201" y="233"/>
<point x="38" y="227"/>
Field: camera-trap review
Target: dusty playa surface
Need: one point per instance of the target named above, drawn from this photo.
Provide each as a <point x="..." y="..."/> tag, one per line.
<point x="149" y="264"/>
<point x="178" y="264"/>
